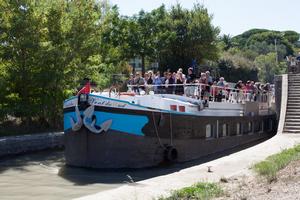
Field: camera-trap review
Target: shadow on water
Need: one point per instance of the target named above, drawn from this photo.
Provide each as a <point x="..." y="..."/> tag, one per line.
<point x="84" y="176"/>
<point x="22" y="161"/>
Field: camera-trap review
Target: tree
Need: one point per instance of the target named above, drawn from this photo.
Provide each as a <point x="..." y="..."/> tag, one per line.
<point x="234" y="66"/>
<point x="46" y="48"/>
<point x="291" y="36"/>
<point x="145" y="38"/>
<point x="191" y="37"/>
<point x="227" y="42"/>
<point x="267" y="67"/>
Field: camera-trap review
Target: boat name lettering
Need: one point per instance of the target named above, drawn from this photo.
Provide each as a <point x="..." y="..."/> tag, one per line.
<point x="107" y="103"/>
<point x="69" y="104"/>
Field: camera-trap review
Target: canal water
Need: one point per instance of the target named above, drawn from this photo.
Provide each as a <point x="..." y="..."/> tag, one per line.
<point x="44" y="175"/>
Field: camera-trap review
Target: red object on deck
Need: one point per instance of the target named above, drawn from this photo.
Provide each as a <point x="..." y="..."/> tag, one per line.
<point x="173" y="107"/>
<point x="128" y="93"/>
<point x="86" y="89"/>
<point x="181" y="108"/>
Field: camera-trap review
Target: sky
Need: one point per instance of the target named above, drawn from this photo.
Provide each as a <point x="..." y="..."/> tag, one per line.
<point x="232" y="16"/>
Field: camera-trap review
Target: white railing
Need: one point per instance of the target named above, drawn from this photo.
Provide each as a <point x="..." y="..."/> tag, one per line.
<point x="205" y="92"/>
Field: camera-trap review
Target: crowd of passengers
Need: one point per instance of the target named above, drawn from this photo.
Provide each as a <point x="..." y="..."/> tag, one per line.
<point x="204" y="86"/>
<point x="293" y="63"/>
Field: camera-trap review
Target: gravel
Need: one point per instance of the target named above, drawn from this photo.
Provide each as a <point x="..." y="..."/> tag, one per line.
<point x="287" y="186"/>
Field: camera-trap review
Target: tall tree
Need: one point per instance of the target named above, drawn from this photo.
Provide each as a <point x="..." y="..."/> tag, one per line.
<point x="46" y="48"/>
<point x="192" y="37"/>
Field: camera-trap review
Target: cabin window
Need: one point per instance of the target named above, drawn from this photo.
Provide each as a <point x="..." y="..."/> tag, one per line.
<point x="256" y="125"/>
<point x="208" y="131"/>
<point x="270" y="124"/>
<point x="224" y="130"/>
<point x="238" y="128"/>
<point x="262" y="126"/>
<point x="250" y="126"/>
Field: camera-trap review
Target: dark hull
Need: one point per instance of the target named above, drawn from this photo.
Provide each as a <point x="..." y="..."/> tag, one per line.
<point x="173" y="137"/>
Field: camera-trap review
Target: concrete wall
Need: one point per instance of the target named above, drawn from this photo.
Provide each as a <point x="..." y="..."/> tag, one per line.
<point x="13" y="145"/>
<point x="281" y="96"/>
<point x="278" y="87"/>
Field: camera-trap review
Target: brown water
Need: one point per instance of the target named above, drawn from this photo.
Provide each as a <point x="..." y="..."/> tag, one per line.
<point x="44" y="176"/>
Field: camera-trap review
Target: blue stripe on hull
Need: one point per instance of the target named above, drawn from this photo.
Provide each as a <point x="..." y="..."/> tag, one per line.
<point x="131" y="124"/>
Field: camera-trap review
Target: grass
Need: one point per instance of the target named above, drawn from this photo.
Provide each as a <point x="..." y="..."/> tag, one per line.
<point x="269" y="167"/>
<point x="199" y="191"/>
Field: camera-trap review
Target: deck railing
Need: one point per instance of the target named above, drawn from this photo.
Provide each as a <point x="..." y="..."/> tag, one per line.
<point x="206" y="92"/>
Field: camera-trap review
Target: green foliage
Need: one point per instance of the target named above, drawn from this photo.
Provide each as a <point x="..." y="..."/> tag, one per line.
<point x="254" y="37"/>
<point x="192" y="37"/>
<point x="200" y="191"/>
<point x="257" y="51"/>
<point x="292" y="36"/>
<point x="274" y="163"/>
<point x="241" y="40"/>
<point x="233" y="66"/>
<point x="173" y="38"/>
<point x="267" y="67"/>
<point x="46" y="48"/>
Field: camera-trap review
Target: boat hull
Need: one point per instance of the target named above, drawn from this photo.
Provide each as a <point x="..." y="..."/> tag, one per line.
<point x="143" y="138"/>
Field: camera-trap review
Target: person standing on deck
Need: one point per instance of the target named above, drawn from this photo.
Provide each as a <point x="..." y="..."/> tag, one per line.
<point x="179" y="80"/>
<point x="181" y="71"/>
<point x="86" y="89"/>
<point x="221" y="84"/>
<point x="139" y="83"/>
<point x="209" y="78"/>
<point x="298" y="57"/>
<point x="157" y="82"/>
<point x="169" y="81"/>
<point x="190" y="79"/>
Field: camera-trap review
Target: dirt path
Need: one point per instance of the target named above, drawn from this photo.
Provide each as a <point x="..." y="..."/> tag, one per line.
<point x="287" y="186"/>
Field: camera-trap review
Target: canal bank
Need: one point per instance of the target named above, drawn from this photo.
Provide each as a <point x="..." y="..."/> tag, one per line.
<point x="236" y="164"/>
<point x="15" y="145"/>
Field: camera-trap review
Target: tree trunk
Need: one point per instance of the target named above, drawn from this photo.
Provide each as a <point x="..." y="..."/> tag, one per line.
<point x="143" y="65"/>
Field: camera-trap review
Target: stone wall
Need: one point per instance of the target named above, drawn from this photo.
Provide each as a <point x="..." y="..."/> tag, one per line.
<point x="13" y="145"/>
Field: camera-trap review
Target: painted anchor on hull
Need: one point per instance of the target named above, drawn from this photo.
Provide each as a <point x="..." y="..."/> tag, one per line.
<point x="88" y="121"/>
<point x="76" y="126"/>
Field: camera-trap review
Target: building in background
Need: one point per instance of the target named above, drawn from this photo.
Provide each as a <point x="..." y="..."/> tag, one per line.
<point x="136" y="64"/>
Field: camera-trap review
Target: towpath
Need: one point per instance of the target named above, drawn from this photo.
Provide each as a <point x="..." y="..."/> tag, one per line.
<point x="238" y="163"/>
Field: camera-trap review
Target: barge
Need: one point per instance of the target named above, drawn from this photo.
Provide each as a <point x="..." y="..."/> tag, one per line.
<point x="129" y="130"/>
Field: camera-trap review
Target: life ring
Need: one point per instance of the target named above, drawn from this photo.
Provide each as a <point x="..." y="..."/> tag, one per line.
<point x="170" y="154"/>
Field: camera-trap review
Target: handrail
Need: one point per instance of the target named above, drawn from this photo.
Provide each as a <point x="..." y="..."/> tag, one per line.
<point x="191" y="84"/>
<point x="230" y="94"/>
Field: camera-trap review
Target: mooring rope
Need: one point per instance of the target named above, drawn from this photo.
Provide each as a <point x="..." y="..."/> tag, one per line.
<point x="156" y="131"/>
